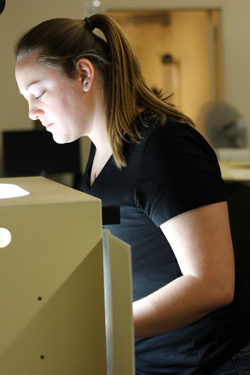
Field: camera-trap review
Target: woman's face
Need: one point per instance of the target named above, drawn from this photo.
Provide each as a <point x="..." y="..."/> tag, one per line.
<point x="61" y="105"/>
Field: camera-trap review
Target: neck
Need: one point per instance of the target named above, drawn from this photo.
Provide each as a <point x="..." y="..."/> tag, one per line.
<point x="102" y="155"/>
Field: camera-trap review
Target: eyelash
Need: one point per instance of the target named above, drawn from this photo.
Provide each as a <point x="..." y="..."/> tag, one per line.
<point x="39" y="96"/>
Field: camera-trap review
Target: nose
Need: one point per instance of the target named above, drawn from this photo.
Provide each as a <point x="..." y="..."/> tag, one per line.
<point x="34" y="111"/>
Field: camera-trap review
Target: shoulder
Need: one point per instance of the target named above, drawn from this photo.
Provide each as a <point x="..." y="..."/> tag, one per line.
<point x="177" y="169"/>
<point x="173" y="140"/>
<point x="150" y="123"/>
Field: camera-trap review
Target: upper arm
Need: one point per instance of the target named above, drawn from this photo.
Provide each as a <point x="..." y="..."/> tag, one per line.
<point x="201" y="241"/>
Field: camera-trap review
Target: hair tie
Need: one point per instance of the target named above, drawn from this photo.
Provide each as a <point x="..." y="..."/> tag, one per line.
<point x="89" y="23"/>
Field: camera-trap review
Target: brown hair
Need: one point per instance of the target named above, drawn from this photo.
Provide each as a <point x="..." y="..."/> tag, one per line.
<point x="62" y="42"/>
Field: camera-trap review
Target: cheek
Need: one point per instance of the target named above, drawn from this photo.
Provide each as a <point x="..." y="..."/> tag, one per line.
<point x="66" y="107"/>
<point x="58" y="108"/>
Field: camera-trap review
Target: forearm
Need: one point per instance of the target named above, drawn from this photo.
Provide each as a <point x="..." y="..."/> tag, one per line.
<point x="178" y="304"/>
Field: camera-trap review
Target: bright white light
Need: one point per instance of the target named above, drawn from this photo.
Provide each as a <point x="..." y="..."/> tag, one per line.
<point x="5" y="237"/>
<point x="96" y="3"/>
<point x="11" y="191"/>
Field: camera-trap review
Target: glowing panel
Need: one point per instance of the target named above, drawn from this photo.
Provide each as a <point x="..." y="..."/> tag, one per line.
<point x="11" y="191"/>
<point x="5" y="237"/>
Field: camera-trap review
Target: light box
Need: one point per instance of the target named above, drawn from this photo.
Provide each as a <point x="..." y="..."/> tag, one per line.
<point x="65" y="285"/>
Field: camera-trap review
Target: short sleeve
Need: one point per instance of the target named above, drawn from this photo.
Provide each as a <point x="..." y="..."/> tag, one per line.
<point x="178" y="171"/>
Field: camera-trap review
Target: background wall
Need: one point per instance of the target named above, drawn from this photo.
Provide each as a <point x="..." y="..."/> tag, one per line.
<point x="181" y="59"/>
<point x="20" y="15"/>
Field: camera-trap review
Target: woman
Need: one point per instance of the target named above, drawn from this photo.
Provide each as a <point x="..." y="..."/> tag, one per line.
<point x="191" y="315"/>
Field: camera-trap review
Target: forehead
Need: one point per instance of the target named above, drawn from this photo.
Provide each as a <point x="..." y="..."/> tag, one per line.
<point x="30" y="64"/>
<point x="27" y="62"/>
<point x="27" y="68"/>
<point x="28" y="71"/>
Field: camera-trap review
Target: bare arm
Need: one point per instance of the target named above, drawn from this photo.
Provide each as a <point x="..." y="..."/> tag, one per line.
<point x="201" y="241"/>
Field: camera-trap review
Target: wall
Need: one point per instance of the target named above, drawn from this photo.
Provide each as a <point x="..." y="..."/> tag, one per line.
<point x="19" y="15"/>
<point x="185" y="36"/>
<point x="235" y="52"/>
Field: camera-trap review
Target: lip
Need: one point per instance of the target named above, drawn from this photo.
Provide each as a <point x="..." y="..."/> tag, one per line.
<point x="47" y="126"/>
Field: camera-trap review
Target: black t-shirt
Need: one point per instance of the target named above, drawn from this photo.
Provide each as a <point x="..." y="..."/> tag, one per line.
<point x="170" y="171"/>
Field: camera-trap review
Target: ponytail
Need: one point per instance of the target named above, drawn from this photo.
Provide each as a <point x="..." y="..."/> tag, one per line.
<point x="127" y="90"/>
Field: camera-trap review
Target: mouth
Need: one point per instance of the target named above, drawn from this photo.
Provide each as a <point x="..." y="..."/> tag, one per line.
<point x="47" y="126"/>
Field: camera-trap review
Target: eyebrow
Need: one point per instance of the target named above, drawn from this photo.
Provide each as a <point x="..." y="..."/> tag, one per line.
<point x="29" y="85"/>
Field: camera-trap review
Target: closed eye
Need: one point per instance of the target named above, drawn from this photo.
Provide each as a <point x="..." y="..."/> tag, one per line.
<point x="39" y="96"/>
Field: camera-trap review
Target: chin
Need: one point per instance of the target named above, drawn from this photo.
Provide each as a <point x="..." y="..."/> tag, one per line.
<point x="60" y="139"/>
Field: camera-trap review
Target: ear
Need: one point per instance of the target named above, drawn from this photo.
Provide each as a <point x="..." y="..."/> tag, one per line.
<point x="86" y="73"/>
